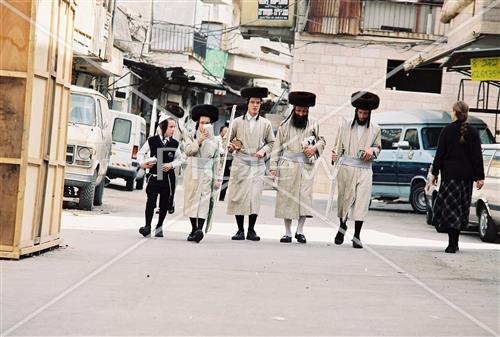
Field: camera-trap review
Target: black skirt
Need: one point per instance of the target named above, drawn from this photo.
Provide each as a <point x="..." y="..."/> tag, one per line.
<point x="452" y="206"/>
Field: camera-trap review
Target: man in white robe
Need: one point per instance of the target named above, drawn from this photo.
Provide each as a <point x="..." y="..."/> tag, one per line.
<point x="251" y="140"/>
<point x="359" y="144"/>
<point x="203" y="162"/>
<point x="298" y="144"/>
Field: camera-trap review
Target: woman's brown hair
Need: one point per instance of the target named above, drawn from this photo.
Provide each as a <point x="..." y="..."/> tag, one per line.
<point x="462" y="113"/>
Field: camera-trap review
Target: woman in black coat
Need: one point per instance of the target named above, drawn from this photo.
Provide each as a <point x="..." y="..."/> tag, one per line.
<point x="460" y="161"/>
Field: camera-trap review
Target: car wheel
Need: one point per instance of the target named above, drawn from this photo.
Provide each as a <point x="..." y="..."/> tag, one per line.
<point x="487" y="227"/>
<point x="86" y="197"/>
<point x="99" y="191"/>
<point x="130" y="184"/>
<point x="417" y="197"/>
<point x="139" y="184"/>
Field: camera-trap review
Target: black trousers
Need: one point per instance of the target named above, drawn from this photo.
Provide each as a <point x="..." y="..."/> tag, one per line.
<point x="166" y="190"/>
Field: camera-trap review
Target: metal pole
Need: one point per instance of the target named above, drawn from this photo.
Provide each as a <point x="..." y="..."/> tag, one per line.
<point x="152" y="121"/>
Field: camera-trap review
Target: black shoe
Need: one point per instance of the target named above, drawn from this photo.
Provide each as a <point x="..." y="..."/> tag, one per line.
<point x="158" y="232"/>
<point x="252" y="236"/>
<point x="198" y="235"/>
<point x="240" y="235"/>
<point x="172" y="210"/>
<point x="190" y="236"/>
<point x="145" y="231"/>
<point x="356" y="243"/>
<point x="451" y="250"/>
<point x="286" y="239"/>
<point x="339" y="238"/>
<point x="300" y="238"/>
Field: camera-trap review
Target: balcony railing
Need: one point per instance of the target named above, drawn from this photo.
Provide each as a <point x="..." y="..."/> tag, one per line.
<point x="376" y="17"/>
<point x="172" y="38"/>
<point x="386" y="17"/>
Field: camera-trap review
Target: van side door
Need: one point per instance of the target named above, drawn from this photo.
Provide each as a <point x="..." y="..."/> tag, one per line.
<point x="385" y="167"/>
<point x="410" y="163"/>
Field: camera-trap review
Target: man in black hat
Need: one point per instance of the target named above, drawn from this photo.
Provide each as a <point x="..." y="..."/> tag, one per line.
<point x="298" y="143"/>
<point x="358" y="145"/>
<point x="165" y="157"/>
<point x="251" y="140"/>
<point x="203" y="162"/>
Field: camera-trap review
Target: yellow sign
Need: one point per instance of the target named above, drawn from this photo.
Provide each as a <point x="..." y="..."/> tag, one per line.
<point x="485" y="69"/>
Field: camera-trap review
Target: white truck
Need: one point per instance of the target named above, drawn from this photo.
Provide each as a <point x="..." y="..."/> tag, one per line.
<point x="88" y="148"/>
<point x="128" y="135"/>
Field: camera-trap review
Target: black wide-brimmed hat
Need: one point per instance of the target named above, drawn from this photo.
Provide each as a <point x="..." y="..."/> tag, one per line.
<point x="175" y="110"/>
<point x="208" y="110"/>
<point x="365" y="100"/>
<point x="302" y="98"/>
<point x="258" y="92"/>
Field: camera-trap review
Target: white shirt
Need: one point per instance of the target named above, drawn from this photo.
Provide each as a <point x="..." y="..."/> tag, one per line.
<point x="360" y="129"/>
<point x="252" y="120"/>
<point x="144" y="153"/>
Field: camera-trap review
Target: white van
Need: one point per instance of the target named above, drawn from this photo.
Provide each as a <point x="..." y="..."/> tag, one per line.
<point x="129" y="134"/>
<point x="88" y="147"/>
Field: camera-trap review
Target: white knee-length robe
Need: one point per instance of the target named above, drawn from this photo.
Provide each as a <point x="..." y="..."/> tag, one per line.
<point x="355" y="184"/>
<point x="246" y="178"/>
<point x="203" y="163"/>
<point x="295" y="172"/>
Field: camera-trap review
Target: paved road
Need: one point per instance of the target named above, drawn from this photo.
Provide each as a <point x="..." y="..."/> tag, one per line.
<point x="107" y="280"/>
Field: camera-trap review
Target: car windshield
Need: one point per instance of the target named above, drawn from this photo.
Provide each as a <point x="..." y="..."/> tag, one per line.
<point x="82" y="110"/>
<point x="430" y="136"/>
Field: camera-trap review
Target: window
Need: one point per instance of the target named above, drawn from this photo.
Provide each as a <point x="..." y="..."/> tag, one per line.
<point x="494" y="170"/>
<point x="485" y="135"/>
<point x="143" y="139"/>
<point x="213" y="31"/>
<point x="121" y="130"/>
<point x="390" y="138"/>
<point x="430" y="137"/>
<point x="411" y="136"/>
<point x="82" y="110"/>
<point x="99" y="113"/>
<point x="424" y="79"/>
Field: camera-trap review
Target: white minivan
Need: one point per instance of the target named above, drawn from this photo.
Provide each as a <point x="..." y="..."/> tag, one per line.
<point x="88" y="147"/>
<point x="128" y="135"/>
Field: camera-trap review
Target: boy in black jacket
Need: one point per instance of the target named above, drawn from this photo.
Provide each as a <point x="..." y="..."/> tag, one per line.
<point x="165" y="156"/>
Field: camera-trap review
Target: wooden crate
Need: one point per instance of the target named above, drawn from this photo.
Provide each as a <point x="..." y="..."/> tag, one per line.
<point x="35" y="77"/>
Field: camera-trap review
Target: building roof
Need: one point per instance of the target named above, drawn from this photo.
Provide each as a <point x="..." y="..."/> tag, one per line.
<point x="417" y="117"/>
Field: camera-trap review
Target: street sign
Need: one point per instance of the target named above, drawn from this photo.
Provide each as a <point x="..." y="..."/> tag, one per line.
<point x="273" y="9"/>
<point x="485" y="69"/>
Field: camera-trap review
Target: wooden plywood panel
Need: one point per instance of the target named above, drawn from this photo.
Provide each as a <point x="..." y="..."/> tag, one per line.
<point x="30" y="203"/>
<point x="55" y="226"/>
<point x="14" y="40"/>
<point x="9" y="183"/>
<point x="36" y="119"/>
<point x="61" y="45"/>
<point x="48" y="196"/>
<point x="67" y="71"/>
<point x="63" y="123"/>
<point x="11" y="115"/>
<point x="42" y="36"/>
<point x="55" y="130"/>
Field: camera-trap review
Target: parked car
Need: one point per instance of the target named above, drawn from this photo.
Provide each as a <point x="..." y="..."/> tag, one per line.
<point x="409" y="143"/>
<point x="88" y="147"/>
<point x="128" y="135"/>
<point x="484" y="215"/>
